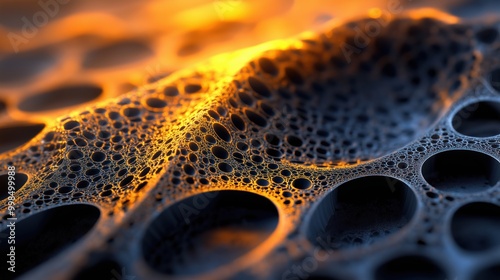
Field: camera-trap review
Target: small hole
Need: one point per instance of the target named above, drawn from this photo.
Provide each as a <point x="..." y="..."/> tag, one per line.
<point x="487" y="35"/>
<point x="461" y="171"/>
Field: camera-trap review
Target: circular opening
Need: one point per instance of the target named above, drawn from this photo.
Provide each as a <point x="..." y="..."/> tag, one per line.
<point x="487" y="35"/>
<point x="19" y="67"/>
<point x="461" y="171"/>
<point x="361" y="212"/>
<point x="488" y="273"/>
<point x="18" y="181"/>
<point x="61" y="97"/>
<point x="481" y="119"/>
<point x="475" y="227"/>
<point x="14" y="136"/>
<point x="494" y="79"/>
<point x="3" y="106"/>
<point x="206" y="231"/>
<point x="105" y="269"/>
<point x="411" y="268"/>
<point x="118" y="53"/>
<point x="43" y="235"/>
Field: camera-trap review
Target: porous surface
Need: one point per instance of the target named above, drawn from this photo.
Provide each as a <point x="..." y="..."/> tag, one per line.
<point x="318" y="157"/>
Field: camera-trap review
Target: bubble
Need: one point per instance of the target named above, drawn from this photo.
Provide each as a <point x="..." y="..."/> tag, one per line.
<point x="268" y="66"/>
<point x="192" y="88"/>
<point x="171" y="91"/>
<point x="259" y="87"/>
<point x="224" y="167"/>
<point x="222" y="132"/>
<point x="98" y="156"/>
<point x="238" y="122"/>
<point x="220" y="152"/>
<point x="156" y="103"/>
<point x="301" y="183"/>
<point x="256" y="118"/>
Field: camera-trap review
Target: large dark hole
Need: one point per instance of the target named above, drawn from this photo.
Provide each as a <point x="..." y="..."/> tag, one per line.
<point x="410" y="268"/>
<point x="475" y="227"/>
<point x="488" y="273"/>
<point x="60" y="97"/>
<point x="361" y="212"/>
<point x="481" y="119"/>
<point x="14" y="136"/>
<point x="461" y="171"/>
<point x="206" y="231"/>
<point x="45" y="234"/>
<point x="19" y="179"/>
<point x="103" y="269"/>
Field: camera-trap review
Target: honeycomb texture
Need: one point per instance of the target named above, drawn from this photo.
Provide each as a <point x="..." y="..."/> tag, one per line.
<point x="325" y="156"/>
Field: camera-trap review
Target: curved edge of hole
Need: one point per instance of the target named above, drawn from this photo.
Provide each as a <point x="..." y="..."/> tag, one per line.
<point x="474" y="226"/>
<point x="409" y="266"/>
<point x="461" y="171"/>
<point x="43" y="235"/>
<point x="329" y="224"/>
<point x="19" y="179"/>
<point x="218" y="227"/>
<point x="23" y="132"/>
<point x="61" y="97"/>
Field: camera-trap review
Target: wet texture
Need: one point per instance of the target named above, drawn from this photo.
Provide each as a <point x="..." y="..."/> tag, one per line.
<point x="347" y="161"/>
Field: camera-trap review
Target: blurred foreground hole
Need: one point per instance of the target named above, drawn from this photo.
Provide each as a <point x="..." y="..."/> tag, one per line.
<point x="206" y="231"/>
<point x="19" y="181"/>
<point x="14" y="136"/>
<point x="476" y="226"/>
<point x="62" y="97"/>
<point x="410" y="268"/>
<point x="43" y="235"/>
